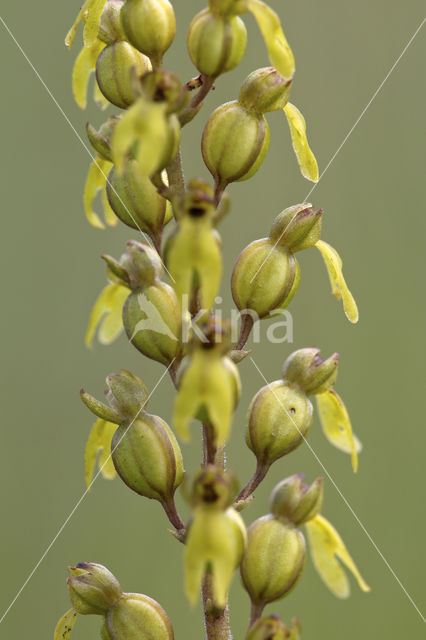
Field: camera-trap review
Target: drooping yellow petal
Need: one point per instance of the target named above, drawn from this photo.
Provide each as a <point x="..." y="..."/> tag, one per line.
<point x="65" y="625"/>
<point x="90" y="13"/>
<point x="96" y="180"/>
<point x="84" y="65"/>
<point x="327" y="549"/>
<point x="279" y="52"/>
<point x="306" y="159"/>
<point x="145" y="123"/>
<point x="110" y="304"/>
<point x="333" y="262"/>
<point x="336" y="424"/>
<point x="99" y="443"/>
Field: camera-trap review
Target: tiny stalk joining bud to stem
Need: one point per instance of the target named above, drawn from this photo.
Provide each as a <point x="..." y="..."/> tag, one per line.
<point x="162" y="293"/>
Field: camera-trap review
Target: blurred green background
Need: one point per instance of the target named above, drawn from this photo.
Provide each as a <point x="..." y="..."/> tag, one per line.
<point x="51" y="272"/>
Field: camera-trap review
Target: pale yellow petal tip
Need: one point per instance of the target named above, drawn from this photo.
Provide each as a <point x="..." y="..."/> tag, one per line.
<point x="307" y="162"/>
<point x="65" y="625"/>
<point x="333" y="263"/>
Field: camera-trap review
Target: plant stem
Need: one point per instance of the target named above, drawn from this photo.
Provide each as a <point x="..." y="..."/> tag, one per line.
<point x="216" y="622"/>
<point x="246" y="327"/>
<point x="176" y="177"/>
<point x="255" y="613"/>
<point x="253" y="483"/>
<point x="172" y="514"/>
<point x="196" y="101"/>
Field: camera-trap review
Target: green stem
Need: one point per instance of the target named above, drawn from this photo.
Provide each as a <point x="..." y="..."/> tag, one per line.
<point x="176" y="177"/>
<point x="253" y="483"/>
<point x="216" y="622"/>
<point x="255" y="613"/>
<point x="196" y="102"/>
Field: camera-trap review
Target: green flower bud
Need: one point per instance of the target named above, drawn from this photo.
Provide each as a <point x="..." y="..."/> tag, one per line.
<point x="264" y="90"/>
<point x="93" y="589"/>
<point x="264" y="278"/>
<point x="138" y="617"/>
<point x="135" y="200"/>
<point x="234" y="143"/>
<point x="118" y="66"/>
<point x="110" y="26"/>
<point x="273" y="628"/>
<point x="296" y="501"/>
<point x="147" y="457"/>
<point x="228" y="7"/>
<point x="306" y="369"/>
<point x="214" y="488"/>
<point x="149" y="25"/>
<point x="279" y="418"/>
<point x="101" y="140"/>
<point x="216" y="43"/>
<point x="127" y="395"/>
<point x="273" y="560"/>
<point x="164" y="86"/>
<point x="142" y="263"/>
<point x="297" y="228"/>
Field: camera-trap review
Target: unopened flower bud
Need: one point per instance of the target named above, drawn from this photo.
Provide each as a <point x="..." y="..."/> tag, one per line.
<point x="306" y="369"/>
<point x="149" y="25"/>
<point x="93" y="588"/>
<point x="264" y="90"/>
<point x="216" y="43"/>
<point x="234" y="143"/>
<point x="214" y="488"/>
<point x="273" y="560"/>
<point x="264" y="278"/>
<point x="297" y="228"/>
<point x="164" y="86"/>
<point x="135" y="200"/>
<point x="110" y="29"/>
<point x="127" y="395"/>
<point x="117" y="68"/>
<point x="296" y="501"/>
<point x="138" y="617"/>
<point x="279" y="419"/>
<point x="228" y="7"/>
<point x="101" y="140"/>
<point x="273" y="628"/>
<point x="147" y="457"/>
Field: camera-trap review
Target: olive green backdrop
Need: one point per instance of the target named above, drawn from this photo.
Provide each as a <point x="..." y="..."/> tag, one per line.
<point x="51" y="272"/>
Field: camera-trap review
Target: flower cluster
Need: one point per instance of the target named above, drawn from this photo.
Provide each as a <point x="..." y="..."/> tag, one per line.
<point x="161" y="292"/>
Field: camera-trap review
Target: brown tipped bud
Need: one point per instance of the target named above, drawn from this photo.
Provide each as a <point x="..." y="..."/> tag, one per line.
<point x="306" y="369"/>
<point x="264" y="90"/>
<point x="297" y="228"/>
<point x="93" y="588"/>
<point x="296" y="501"/>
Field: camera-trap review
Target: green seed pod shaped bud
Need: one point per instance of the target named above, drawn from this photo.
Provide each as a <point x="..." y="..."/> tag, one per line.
<point x="297" y="228"/>
<point x="93" y="588"/>
<point x="279" y="418"/>
<point x="228" y="7"/>
<point x="234" y="143"/>
<point x="216" y="43"/>
<point x="127" y="395"/>
<point x="149" y="25"/>
<point x="116" y="69"/>
<point x="264" y="278"/>
<point x="273" y="628"/>
<point x="273" y="560"/>
<point x="138" y="617"/>
<point x="142" y="263"/>
<point x="110" y="29"/>
<point x="296" y="501"/>
<point x="101" y="140"/>
<point x="264" y="90"/>
<point x="135" y="200"/>
<point x="147" y="457"/>
<point x="306" y="369"/>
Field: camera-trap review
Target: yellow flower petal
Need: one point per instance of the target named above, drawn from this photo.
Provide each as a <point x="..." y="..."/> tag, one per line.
<point x="333" y="262"/>
<point x="336" y="424"/>
<point x="65" y="625"/>
<point x="90" y="13"/>
<point x="145" y="123"/>
<point x="327" y="549"/>
<point x="96" y="180"/>
<point x="306" y="159"/>
<point x="110" y="304"/>
<point x="279" y="52"/>
<point x="99" y="442"/>
<point x="84" y="65"/>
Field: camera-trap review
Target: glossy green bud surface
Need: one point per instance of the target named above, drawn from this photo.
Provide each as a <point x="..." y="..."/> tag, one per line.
<point x="306" y="369"/>
<point x="135" y="200"/>
<point x="126" y="394"/>
<point x="93" y="588"/>
<point x="149" y="25"/>
<point x="279" y="418"/>
<point x="234" y="143"/>
<point x="138" y="617"/>
<point x="296" y="501"/>
<point x="263" y="278"/>
<point x="297" y="228"/>
<point x="216" y="44"/>
<point x="264" y="90"/>
<point x="273" y="560"/>
<point x="117" y="68"/>
<point x="147" y="457"/>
